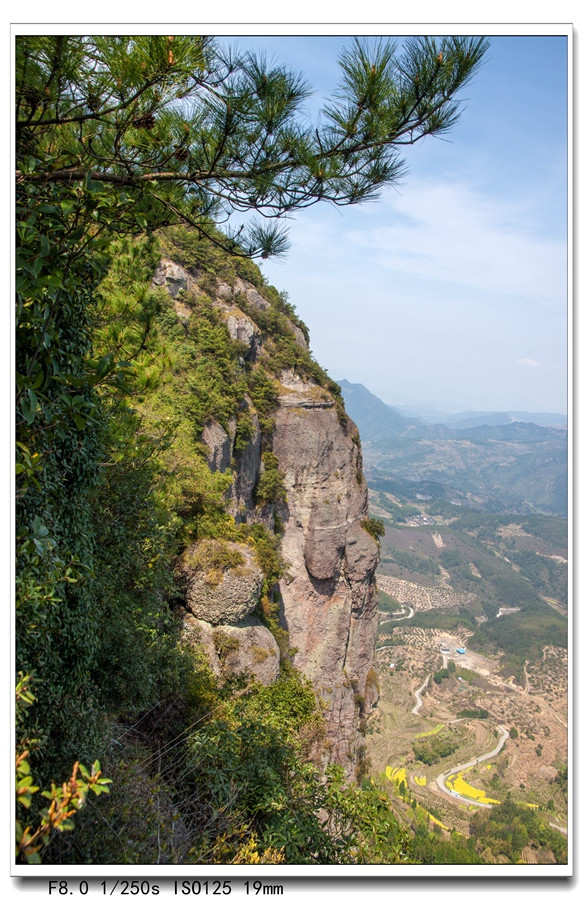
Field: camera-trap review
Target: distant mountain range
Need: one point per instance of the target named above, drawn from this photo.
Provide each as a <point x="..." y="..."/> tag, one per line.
<point x="498" y="461"/>
<point x="382" y="418"/>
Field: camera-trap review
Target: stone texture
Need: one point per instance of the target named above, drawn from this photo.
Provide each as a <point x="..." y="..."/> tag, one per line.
<point x="299" y="336"/>
<point x="173" y="277"/>
<point x="198" y="635"/>
<point x="248" y="465"/>
<point x="328" y="598"/>
<point x="219" y="446"/>
<point x="220" y="596"/>
<point x="245" y="331"/>
<point x="328" y="595"/>
<point x="247" y="648"/>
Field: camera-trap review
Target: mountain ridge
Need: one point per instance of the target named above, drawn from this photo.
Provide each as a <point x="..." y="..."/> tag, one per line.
<point x="512" y="466"/>
<point x="456" y="421"/>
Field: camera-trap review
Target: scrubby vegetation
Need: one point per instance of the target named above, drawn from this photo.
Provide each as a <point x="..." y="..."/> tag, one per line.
<point x="431" y="750"/>
<point x="217" y="773"/>
<point x="507" y="830"/>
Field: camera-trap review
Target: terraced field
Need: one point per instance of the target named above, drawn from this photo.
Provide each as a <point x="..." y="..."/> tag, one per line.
<point x="482" y="768"/>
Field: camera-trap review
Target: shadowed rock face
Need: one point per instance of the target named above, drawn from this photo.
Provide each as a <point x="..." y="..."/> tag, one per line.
<point x="329" y="604"/>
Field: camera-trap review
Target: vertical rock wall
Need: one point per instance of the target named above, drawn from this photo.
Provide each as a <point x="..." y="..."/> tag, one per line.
<point x="328" y="597"/>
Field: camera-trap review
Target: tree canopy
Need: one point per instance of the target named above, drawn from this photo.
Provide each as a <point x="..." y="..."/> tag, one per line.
<point x="184" y="130"/>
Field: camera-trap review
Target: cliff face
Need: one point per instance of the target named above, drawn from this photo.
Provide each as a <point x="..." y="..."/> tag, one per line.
<point x="328" y="596"/>
<point x="328" y="602"/>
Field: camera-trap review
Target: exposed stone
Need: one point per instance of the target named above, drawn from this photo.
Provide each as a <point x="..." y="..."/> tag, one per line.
<point x="173" y="277"/>
<point x="298" y="393"/>
<point x="251" y="294"/>
<point x="224" y="291"/>
<point x="222" y="581"/>
<point x="328" y="598"/>
<point x="328" y="595"/>
<point x="245" y="331"/>
<point x="247" y="648"/>
<point x="248" y="465"/>
<point x="219" y="446"/>
<point x="198" y="634"/>
<point x="299" y="336"/>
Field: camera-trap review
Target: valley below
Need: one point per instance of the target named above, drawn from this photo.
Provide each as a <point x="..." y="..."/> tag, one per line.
<point x="470" y="733"/>
<point x="403" y="736"/>
<point x="473" y="695"/>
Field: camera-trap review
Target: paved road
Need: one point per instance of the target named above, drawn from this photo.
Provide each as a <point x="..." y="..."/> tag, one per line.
<point x="392" y="618"/>
<point x="418" y="693"/>
<point x="441" y="779"/>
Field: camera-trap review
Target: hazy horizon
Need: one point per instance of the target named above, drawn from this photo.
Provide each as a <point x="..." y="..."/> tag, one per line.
<point x="439" y="405"/>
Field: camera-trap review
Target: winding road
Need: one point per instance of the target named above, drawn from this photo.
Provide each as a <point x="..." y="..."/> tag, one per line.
<point x="418" y="692"/>
<point x="441" y="779"/>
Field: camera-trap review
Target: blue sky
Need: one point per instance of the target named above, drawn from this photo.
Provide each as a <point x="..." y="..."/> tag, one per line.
<point x="452" y="289"/>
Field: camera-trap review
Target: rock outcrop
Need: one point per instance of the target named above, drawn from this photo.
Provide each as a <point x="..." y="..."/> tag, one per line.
<point x="328" y="603"/>
<point x="222" y="581"/>
<point x="247" y="648"/>
<point x="328" y="598"/>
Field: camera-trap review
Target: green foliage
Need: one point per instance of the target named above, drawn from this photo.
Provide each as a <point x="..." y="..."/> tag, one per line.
<point x="412" y="561"/>
<point x="546" y="575"/>
<point x="266" y="547"/>
<point x="431" y="750"/>
<point x="116" y="138"/>
<point x="430" y="849"/>
<point x="473" y="714"/>
<point x="468" y="675"/>
<point x="106" y="108"/>
<point x="244" y="433"/>
<point x="435" y="618"/>
<point x="451" y="557"/>
<point x="387" y="603"/>
<point x="373" y="526"/>
<point x="209" y="556"/>
<point x="270" y="487"/>
<point x="440" y="675"/>
<point x="65" y="800"/>
<point x="523" y="635"/>
<point x="510" y="827"/>
<point x="247" y="775"/>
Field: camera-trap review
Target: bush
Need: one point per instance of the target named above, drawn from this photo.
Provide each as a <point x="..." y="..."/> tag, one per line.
<point x="374" y="527"/>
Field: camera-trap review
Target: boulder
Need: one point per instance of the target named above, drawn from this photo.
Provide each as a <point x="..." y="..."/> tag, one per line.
<point x="247" y="648"/>
<point x="222" y="581"/>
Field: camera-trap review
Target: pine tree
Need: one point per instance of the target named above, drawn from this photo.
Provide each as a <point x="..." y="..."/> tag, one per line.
<point x="179" y="129"/>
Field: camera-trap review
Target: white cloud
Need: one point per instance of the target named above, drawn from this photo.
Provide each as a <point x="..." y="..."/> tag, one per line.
<point x="528" y="363"/>
<point x="452" y="232"/>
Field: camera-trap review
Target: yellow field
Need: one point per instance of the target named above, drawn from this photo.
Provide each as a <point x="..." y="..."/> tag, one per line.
<point x="421" y="780"/>
<point x="436" y="730"/>
<point x="396" y="774"/>
<point x="436" y="821"/>
<point x="457" y="783"/>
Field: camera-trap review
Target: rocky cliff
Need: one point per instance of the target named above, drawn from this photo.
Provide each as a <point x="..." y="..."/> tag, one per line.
<point x="328" y="595"/>
<point x="297" y="472"/>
